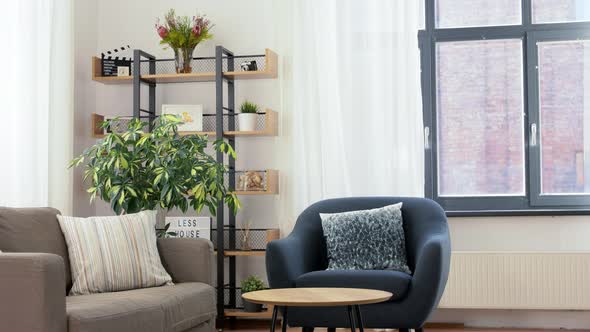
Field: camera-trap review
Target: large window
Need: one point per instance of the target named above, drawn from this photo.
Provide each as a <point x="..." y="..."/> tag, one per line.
<point x="506" y="86"/>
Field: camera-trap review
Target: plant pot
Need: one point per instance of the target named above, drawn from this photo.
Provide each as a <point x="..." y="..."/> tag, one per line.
<point x="182" y="60"/>
<point x="161" y="217"/>
<point x="252" y="307"/>
<point x="247" y="121"/>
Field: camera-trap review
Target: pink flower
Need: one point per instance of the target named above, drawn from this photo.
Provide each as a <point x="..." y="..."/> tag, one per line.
<point x="197" y="31"/>
<point x="162" y="31"/>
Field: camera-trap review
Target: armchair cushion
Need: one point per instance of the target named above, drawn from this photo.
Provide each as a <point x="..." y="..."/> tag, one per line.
<point x="366" y="239"/>
<point x="168" y="308"/>
<point x="387" y="280"/>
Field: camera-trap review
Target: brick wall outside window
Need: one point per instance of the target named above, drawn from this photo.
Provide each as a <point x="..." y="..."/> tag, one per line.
<point x="480" y="113"/>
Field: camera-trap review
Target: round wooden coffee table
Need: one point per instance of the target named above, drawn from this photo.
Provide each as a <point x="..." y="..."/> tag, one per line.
<point x="351" y="298"/>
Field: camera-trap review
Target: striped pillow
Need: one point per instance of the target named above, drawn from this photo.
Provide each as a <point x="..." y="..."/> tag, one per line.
<point x="109" y="254"/>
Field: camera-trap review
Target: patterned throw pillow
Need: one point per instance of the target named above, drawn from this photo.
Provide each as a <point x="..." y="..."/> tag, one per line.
<point x="109" y="254"/>
<point x="366" y="240"/>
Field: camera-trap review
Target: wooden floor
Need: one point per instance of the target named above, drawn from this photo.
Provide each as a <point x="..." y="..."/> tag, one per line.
<point x="264" y="326"/>
<point x="436" y="329"/>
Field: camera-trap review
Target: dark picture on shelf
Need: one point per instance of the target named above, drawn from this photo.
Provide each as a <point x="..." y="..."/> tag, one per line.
<point x="249" y="65"/>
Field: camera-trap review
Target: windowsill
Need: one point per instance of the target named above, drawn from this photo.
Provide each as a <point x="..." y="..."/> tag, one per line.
<point x="505" y="213"/>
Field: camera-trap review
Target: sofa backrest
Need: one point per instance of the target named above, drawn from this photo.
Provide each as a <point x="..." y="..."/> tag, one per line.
<point x="33" y="230"/>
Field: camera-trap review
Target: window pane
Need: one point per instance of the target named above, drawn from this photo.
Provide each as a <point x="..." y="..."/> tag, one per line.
<point x="556" y="11"/>
<point x="471" y="13"/>
<point x="480" y="118"/>
<point x="564" y="79"/>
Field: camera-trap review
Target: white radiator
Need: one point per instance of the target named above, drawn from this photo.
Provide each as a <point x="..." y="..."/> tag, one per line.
<point x="518" y="280"/>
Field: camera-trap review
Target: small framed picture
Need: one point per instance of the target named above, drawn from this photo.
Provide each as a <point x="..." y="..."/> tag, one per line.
<point x="123" y="71"/>
<point x="192" y="116"/>
<point x="249" y="65"/>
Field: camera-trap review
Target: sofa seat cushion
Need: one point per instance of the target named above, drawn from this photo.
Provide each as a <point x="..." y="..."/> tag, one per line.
<point x="158" y="309"/>
<point x="391" y="281"/>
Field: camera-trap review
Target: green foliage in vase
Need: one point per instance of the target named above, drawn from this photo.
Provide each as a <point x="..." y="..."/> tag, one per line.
<point x="251" y="284"/>
<point x="136" y="170"/>
<point x="248" y="107"/>
<point x="183" y="32"/>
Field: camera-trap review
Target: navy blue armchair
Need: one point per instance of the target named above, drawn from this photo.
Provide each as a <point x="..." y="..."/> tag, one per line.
<point x="300" y="260"/>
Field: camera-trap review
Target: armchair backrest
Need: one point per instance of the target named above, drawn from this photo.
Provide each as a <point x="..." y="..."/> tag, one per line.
<point x="422" y="218"/>
<point x="33" y="230"/>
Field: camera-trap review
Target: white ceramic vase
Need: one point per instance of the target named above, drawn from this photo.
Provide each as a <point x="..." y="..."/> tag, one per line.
<point x="247" y="121"/>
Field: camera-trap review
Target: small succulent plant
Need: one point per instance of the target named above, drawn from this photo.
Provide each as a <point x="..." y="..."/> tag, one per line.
<point x="251" y="284"/>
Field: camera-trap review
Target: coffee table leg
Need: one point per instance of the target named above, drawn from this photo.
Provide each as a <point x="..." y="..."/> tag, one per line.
<point x="284" y="319"/>
<point x="274" y="318"/>
<point x="351" y="318"/>
<point x="359" y="318"/>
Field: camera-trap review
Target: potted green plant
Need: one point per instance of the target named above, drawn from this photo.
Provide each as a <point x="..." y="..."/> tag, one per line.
<point x="183" y="34"/>
<point x="251" y="284"/>
<point x="137" y="170"/>
<point x="248" y="115"/>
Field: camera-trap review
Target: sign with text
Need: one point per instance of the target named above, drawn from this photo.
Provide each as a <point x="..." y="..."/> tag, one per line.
<point x="190" y="227"/>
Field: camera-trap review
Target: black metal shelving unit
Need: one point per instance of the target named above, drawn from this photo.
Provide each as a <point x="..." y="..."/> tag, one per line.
<point x="145" y="64"/>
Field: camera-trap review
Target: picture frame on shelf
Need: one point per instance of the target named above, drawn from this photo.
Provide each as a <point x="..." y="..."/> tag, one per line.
<point x="249" y="65"/>
<point x="123" y="71"/>
<point x="192" y="115"/>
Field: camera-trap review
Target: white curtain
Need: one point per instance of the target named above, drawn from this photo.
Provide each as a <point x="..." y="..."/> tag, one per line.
<point x="351" y="111"/>
<point x="36" y="104"/>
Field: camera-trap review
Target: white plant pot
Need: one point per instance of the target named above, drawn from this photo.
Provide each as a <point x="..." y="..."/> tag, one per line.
<point x="247" y="121"/>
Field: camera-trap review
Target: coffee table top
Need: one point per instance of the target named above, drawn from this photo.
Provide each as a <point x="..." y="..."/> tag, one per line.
<point x="317" y="297"/>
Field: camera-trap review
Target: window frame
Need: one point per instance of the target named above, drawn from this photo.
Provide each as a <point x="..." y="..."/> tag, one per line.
<point x="532" y="203"/>
<point x="537" y="198"/>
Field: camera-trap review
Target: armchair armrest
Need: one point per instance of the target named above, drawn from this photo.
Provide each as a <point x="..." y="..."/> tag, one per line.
<point x="431" y="273"/>
<point x="187" y="260"/>
<point x="33" y="289"/>
<point x="289" y="258"/>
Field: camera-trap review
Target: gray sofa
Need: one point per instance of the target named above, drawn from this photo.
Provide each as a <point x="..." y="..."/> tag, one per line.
<point x="35" y="278"/>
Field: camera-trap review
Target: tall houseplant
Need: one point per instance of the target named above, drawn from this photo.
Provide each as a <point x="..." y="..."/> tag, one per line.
<point x="183" y="34"/>
<point x="137" y="170"/>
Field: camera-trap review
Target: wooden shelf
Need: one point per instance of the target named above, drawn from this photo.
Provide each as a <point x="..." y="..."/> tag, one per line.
<point x="265" y="313"/>
<point x="272" y="185"/>
<point x="245" y="253"/>
<point x="97" y="131"/>
<point x="271" y="235"/>
<point x="235" y="253"/>
<point x="271" y="128"/>
<point x="270" y="71"/>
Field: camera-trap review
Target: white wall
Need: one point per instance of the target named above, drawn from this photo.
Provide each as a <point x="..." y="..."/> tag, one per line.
<point x="247" y="27"/>
<point x="535" y="233"/>
<point x="85" y="37"/>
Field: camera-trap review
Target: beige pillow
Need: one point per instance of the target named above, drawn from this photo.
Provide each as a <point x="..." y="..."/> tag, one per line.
<point x="109" y="254"/>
